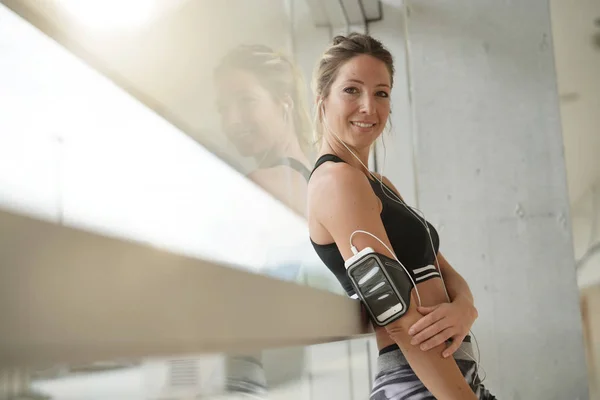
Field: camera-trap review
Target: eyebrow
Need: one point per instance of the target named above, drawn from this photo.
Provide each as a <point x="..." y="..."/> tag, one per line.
<point x="362" y="83"/>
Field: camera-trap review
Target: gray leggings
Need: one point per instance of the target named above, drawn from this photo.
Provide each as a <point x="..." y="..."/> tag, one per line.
<point x="396" y="380"/>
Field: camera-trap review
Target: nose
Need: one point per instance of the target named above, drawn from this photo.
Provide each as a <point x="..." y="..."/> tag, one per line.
<point x="231" y="115"/>
<point x="367" y="104"/>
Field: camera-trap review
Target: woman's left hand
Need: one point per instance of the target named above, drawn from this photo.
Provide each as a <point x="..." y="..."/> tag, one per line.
<point x="442" y="322"/>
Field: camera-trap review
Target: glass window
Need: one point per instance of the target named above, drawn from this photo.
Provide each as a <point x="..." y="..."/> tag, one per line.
<point x="215" y="167"/>
<point x="79" y="150"/>
<point x="321" y="372"/>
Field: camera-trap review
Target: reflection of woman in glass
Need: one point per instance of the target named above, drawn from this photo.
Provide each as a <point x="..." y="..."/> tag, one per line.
<point x="261" y="101"/>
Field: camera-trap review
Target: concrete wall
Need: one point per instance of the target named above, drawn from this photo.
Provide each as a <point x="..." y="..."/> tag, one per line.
<point x="491" y="175"/>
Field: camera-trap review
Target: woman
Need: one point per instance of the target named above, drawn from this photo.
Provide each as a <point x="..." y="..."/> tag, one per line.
<point x="352" y="84"/>
<point x="260" y="99"/>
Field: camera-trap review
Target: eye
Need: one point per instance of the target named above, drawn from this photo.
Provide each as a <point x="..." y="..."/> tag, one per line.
<point x="351" y="90"/>
<point x="383" y="94"/>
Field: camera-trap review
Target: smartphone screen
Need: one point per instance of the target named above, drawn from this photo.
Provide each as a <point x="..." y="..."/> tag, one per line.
<point x="377" y="292"/>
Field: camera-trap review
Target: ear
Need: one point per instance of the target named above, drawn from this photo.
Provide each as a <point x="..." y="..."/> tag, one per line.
<point x="318" y="100"/>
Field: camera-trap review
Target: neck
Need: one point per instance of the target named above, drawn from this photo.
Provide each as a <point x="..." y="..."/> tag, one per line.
<point x="287" y="148"/>
<point x="338" y="149"/>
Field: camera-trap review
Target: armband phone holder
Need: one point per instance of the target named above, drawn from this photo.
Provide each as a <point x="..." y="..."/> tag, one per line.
<point x="382" y="285"/>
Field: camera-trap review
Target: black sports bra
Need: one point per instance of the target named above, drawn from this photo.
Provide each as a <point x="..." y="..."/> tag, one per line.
<point x="405" y="230"/>
<point x="293" y="164"/>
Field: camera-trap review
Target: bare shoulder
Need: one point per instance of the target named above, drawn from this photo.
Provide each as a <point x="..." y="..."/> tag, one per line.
<point x="341" y="201"/>
<point x="339" y="174"/>
<point x="337" y="185"/>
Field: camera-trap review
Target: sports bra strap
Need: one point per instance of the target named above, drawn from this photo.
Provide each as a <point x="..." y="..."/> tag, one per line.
<point x="293" y="164"/>
<point x="323" y="159"/>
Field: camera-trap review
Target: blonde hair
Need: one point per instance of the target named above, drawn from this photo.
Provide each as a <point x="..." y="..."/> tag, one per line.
<point x="342" y="50"/>
<point x="280" y="77"/>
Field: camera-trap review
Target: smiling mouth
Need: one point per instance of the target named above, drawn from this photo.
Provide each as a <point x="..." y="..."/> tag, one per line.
<point x="363" y="124"/>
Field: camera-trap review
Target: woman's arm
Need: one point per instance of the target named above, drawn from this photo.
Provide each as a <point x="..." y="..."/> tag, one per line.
<point x="440" y="375"/>
<point x="444" y="321"/>
<point x="458" y="288"/>
<point x="447" y="320"/>
<point x="342" y="201"/>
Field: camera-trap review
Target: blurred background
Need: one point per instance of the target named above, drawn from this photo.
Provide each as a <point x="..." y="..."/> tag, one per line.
<point x="142" y="128"/>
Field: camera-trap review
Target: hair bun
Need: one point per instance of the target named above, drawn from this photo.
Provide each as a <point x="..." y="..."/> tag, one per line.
<point x="338" y="39"/>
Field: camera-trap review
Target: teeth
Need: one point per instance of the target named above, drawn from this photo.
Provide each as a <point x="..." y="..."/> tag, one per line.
<point x="362" y="125"/>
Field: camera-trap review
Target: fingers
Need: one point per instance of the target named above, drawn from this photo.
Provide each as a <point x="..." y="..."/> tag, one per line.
<point x="424" y="322"/>
<point x="456" y="342"/>
<point x="437" y="340"/>
<point x="431" y="332"/>
<point x="427" y="310"/>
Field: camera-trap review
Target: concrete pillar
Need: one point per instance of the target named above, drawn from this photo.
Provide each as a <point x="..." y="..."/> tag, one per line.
<point x="490" y="174"/>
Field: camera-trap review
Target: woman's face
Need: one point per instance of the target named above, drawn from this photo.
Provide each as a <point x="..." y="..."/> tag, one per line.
<point x="251" y="118"/>
<point x="358" y="104"/>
